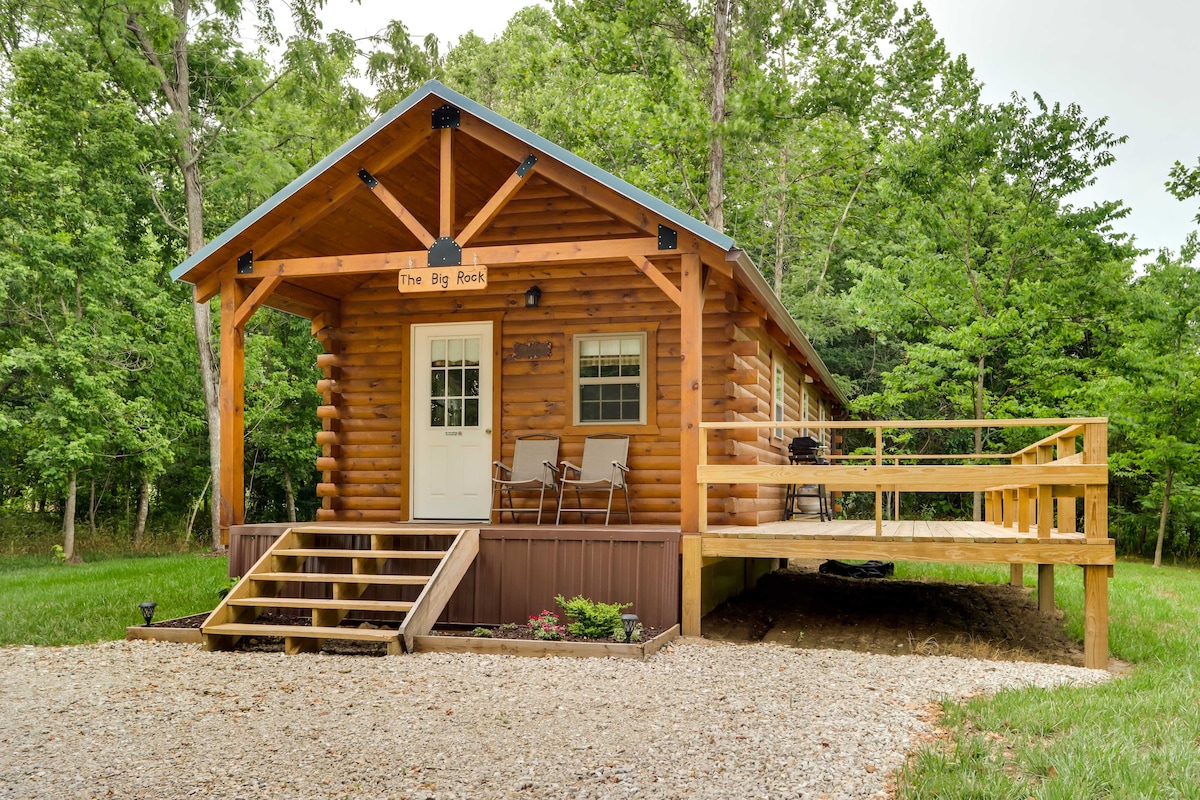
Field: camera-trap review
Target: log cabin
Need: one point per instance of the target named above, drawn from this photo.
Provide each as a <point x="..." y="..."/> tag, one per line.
<point x="471" y="284"/>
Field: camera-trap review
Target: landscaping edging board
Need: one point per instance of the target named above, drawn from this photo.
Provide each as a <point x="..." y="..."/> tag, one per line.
<point x="160" y="634"/>
<point x="542" y="649"/>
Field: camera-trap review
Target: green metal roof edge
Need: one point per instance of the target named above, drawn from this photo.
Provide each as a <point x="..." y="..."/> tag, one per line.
<point x="662" y="209"/>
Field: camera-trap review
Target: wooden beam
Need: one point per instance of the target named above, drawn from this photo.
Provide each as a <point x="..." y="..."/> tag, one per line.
<point x="398" y="209"/>
<point x="255" y="300"/>
<point x="871" y="548"/>
<point x="446" y="201"/>
<point x="232" y="410"/>
<point x="1095" y="497"/>
<point x="691" y="383"/>
<point x="652" y="272"/>
<point x="1016" y="574"/>
<point x="931" y="478"/>
<point x="496" y="204"/>
<point x="498" y="255"/>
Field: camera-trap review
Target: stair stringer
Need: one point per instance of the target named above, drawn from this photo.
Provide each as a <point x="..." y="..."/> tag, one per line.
<point x="436" y="594"/>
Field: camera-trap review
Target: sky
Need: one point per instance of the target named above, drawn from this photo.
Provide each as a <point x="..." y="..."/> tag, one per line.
<point x="1132" y="62"/>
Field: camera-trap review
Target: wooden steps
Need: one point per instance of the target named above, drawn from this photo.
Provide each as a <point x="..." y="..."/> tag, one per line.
<point x="360" y="553"/>
<point x="305" y="631"/>
<point x="379" y="578"/>
<point x="402" y="606"/>
<point x="341" y="577"/>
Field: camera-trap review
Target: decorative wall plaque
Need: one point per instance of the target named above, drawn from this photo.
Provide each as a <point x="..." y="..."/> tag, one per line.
<point x="531" y="351"/>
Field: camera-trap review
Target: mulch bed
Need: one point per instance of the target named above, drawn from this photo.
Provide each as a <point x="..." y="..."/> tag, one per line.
<point x="194" y="621"/>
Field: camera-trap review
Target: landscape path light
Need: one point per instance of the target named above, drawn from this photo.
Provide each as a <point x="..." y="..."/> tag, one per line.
<point x="148" y="610"/>
<point x="629" y="623"/>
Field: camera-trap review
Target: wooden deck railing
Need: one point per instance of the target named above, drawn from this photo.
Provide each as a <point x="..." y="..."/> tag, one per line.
<point x="1048" y="473"/>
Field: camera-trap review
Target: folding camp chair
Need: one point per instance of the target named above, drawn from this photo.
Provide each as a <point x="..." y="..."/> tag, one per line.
<point x="603" y="470"/>
<point x="533" y="470"/>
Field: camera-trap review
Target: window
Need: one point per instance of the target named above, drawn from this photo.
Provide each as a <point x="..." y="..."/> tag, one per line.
<point x="804" y="404"/>
<point x="778" y="415"/>
<point x="610" y="374"/>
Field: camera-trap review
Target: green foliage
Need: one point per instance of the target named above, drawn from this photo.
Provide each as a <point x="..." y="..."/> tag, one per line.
<point x="545" y="626"/>
<point x="592" y="620"/>
<point x="228" y="586"/>
<point x="53" y="605"/>
<point x="482" y="633"/>
<point x="1132" y="737"/>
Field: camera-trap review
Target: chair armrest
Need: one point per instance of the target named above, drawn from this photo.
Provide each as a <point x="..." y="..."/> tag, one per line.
<point x="621" y="467"/>
<point x="500" y="466"/>
<point x="567" y="465"/>
<point x="550" y="466"/>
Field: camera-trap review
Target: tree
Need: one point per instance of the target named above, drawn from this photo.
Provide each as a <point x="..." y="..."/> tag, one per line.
<point x="1157" y="391"/>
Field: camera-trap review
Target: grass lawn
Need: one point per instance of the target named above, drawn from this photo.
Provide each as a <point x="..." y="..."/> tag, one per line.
<point x="1137" y="736"/>
<point x="55" y="604"/>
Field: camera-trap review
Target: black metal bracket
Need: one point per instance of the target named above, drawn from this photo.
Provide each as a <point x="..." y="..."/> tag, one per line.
<point x="445" y="252"/>
<point x="245" y="263"/>
<point x="668" y="238"/>
<point x="367" y="178"/>
<point x="526" y="165"/>
<point x="446" y="116"/>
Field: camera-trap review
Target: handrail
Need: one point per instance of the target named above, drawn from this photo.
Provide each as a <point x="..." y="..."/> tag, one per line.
<point x="1047" y="474"/>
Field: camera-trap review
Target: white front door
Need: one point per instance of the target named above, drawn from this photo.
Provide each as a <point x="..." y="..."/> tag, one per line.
<point x="452" y="421"/>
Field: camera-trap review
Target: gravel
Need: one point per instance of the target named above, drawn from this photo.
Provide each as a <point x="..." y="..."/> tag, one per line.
<point x="701" y="719"/>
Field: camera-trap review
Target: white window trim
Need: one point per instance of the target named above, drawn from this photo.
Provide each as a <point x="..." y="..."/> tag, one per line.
<point x="578" y="382"/>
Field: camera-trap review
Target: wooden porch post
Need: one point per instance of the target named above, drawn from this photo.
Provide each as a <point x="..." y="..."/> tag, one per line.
<point x="691" y="380"/>
<point x="232" y="404"/>
<point x="1095" y="526"/>
<point x="692" y="517"/>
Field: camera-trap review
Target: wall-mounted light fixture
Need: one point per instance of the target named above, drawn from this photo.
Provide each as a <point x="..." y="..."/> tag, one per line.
<point x="532" y="295"/>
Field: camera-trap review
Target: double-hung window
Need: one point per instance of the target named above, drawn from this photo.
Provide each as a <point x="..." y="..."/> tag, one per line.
<point x="610" y="376"/>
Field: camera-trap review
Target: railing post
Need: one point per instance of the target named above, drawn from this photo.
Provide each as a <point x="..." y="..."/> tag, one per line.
<point x="1045" y="495"/>
<point x="878" y="486"/>
<point x="702" y="487"/>
<point x="1066" y="505"/>
<point x="1095" y="496"/>
<point x="1025" y="498"/>
<point x="896" y="489"/>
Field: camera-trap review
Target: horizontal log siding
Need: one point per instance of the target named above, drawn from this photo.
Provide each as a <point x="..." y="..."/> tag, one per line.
<point x="365" y="426"/>
<point x="753" y="377"/>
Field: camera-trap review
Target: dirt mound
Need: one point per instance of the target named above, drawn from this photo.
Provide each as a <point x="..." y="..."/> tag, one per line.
<point x="802" y="608"/>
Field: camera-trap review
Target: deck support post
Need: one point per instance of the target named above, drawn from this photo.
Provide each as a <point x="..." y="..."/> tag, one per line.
<point x="689" y="546"/>
<point x="1016" y="574"/>
<point x="1046" y="588"/>
<point x="232" y="407"/>
<point x="1095" y="616"/>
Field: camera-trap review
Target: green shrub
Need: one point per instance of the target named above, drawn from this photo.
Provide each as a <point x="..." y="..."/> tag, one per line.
<point x="593" y="620"/>
<point x="482" y="633"/>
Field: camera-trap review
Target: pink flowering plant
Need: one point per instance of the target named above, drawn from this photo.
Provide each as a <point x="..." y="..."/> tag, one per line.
<point x="545" y="626"/>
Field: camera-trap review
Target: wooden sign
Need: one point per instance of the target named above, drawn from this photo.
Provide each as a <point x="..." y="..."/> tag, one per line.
<point x="443" y="279"/>
<point x="532" y="350"/>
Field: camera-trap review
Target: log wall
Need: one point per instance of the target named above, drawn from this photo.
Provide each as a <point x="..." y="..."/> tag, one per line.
<point x="365" y="438"/>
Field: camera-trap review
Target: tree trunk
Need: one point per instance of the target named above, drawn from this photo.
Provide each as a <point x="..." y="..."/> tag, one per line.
<point x="92" y="506"/>
<point x="69" y="520"/>
<point x="143" y="511"/>
<point x="288" y="495"/>
<point x="715" y="199"/>
<point x="1162" y="519"/>
<point x="780" y="222"/>
<point x="977" y="497"/>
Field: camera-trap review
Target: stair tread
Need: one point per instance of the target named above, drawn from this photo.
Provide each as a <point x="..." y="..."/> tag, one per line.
<point x="306" y="602"/>
<point x="340" y="577"/>
<point x="300" y="631"/>
<point x="333" y="552"/>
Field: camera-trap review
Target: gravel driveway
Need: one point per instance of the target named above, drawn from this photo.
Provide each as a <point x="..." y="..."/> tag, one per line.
<point x="706" y="720"/>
